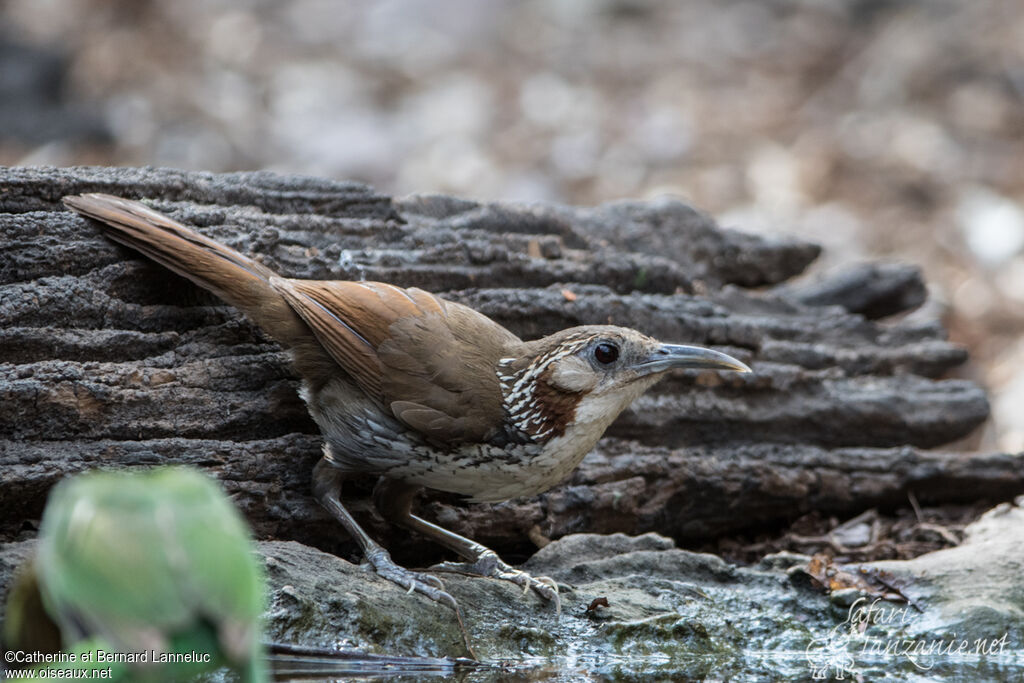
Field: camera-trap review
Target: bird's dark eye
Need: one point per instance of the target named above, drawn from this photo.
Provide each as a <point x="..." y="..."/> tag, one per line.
<point x="606" y="353"/>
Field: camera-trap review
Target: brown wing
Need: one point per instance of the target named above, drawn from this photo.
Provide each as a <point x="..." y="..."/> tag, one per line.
<point x="432" y="362"/>
<point x="439" y="373"/>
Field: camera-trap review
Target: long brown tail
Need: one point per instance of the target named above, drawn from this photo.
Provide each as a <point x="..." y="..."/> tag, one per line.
<point x="236" y="278"/>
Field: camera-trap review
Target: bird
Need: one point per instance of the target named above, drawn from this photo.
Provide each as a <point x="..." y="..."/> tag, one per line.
<point x="150" y="567"/>
<point x="420" y="391"/>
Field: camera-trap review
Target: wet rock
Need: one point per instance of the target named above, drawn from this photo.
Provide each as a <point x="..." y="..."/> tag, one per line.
<point x="672" y="610"/>
<point x="667" y="610"/>
<point x="973" y="590"/>
<point x="675" y="611"/>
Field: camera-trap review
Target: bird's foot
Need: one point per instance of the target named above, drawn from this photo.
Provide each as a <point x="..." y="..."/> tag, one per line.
<point x="417" y="582"/>
<point x="489" y="564"/>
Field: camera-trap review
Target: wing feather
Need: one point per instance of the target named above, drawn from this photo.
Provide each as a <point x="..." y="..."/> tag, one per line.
<point x="439" y="373"/>
<point x="430" y="361"/>
<point x="349" y="344"/>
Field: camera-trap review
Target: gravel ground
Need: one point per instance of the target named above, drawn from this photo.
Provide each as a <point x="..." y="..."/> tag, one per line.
<point x="879" y="128"/>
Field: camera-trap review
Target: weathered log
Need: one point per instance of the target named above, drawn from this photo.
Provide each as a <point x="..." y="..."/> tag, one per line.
<point x="874" y="290"/>
<point x="109" y="360"/>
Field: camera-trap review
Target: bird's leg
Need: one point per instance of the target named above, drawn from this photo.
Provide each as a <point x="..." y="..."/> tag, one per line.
<point x="327" y="479"/>
<point x="394" y="501"/>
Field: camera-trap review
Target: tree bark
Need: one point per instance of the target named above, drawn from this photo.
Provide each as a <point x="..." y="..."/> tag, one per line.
<point x="108" y="360"/>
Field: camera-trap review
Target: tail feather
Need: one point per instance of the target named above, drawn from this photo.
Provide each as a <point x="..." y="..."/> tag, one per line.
<point x="234" y="277"/>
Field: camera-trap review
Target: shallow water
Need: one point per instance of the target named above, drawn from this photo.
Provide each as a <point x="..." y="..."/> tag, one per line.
<point x="751" y="666"/>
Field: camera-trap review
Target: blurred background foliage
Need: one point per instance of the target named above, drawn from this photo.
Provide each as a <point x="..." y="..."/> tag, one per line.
<point x="880" y="128"/>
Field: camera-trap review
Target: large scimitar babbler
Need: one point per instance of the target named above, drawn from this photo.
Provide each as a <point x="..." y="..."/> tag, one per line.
<point x="421" y="391"/>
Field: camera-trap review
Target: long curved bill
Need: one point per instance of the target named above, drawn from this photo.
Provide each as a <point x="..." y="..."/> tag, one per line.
<point x="670" y="356"/>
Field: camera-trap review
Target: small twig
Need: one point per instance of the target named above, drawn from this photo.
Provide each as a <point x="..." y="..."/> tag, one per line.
<point x="465" y="634"/>
<point x="942" y="531"/>
<point x="876" y="576"/>
<point x="917" y="507"/>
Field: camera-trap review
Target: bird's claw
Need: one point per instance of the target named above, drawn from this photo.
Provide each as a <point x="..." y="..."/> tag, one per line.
<point x="418" y="582"/>
<point x="490" y="565"/>
<point x="413" y="582"/>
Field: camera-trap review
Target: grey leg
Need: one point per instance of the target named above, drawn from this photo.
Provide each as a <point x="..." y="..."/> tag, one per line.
<point x="327" y="480"/>
<point x="394" y="500"/>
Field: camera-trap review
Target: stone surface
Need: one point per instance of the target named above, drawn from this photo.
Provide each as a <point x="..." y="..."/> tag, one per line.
<point x="975" y="586"/>
<point x="676" y="612"/>
<point x="669" y="612"/>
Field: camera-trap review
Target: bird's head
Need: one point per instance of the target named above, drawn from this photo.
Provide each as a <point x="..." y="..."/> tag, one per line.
<point x="584" y="377"/>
